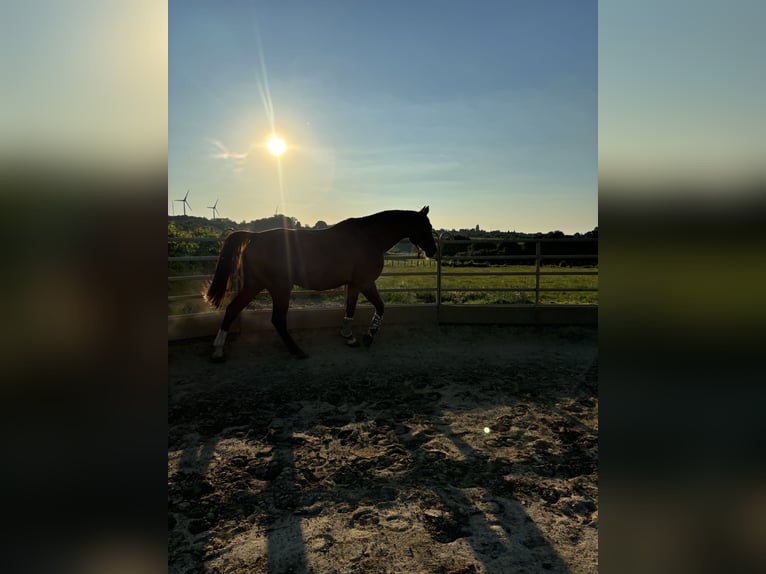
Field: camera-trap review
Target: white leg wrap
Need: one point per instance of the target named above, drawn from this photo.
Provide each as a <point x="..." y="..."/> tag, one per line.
<point x="376" y="321"/>
<point x="220" y="338"/>
<point x="346" y="328"/>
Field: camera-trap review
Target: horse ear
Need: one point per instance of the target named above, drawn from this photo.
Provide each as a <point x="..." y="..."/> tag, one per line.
<point x="424" y="211"/>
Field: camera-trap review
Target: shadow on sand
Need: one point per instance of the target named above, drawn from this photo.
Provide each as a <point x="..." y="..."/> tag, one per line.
<point x="269" y="477"/>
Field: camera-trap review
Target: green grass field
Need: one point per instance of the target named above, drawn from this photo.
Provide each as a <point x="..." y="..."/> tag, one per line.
<point x="459" y="286"/>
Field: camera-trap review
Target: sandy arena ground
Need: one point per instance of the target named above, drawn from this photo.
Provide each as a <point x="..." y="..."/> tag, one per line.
<point x="378" y="460"/>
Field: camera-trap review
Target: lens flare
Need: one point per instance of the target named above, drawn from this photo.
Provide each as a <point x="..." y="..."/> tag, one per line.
<point x="276" y="146"/>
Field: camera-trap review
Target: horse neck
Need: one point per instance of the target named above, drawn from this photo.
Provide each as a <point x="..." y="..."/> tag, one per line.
<point x="390" y="232"/>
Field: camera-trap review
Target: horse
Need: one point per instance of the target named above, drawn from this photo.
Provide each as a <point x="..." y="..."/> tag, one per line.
<point x="349" y="253"/>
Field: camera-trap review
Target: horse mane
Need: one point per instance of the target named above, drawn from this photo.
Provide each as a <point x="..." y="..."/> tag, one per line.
<point x="381" y="217"/>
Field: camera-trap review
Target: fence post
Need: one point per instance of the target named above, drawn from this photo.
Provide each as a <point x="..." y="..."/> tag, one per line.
<point x="538" y="251"/>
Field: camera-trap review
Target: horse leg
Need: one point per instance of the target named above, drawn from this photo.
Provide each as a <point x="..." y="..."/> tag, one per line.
<point x="352" y="294"/>
<point x="372" y="295"/>
<point x="233" y="309"/>
<point x="280" y="303"/>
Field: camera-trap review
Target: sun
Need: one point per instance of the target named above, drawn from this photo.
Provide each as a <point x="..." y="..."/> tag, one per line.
<point x="276" y="146"/>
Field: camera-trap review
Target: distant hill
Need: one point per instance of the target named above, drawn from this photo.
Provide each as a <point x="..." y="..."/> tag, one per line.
<point x="190" y="226"/>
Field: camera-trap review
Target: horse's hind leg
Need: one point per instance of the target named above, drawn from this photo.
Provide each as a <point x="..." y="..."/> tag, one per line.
<point x="280" y="303"/>
<point x="352" y="295"/>
<point x="372" y="295"/>
<point x="233" y="309"/>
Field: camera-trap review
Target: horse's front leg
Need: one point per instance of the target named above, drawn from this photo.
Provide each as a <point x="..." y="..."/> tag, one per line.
<point x="372" y="295"/>
<point x="352" y="295"/>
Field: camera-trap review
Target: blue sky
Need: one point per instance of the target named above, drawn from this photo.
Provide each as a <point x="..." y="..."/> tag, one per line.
<point x="486" y="111"/>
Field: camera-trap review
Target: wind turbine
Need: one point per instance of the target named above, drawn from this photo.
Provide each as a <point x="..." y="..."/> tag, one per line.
<point x="186" y="203"/>
<point x="213" y="208"/>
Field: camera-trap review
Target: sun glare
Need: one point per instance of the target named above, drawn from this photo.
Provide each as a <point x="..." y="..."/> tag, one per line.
<point x="276" y="146"/>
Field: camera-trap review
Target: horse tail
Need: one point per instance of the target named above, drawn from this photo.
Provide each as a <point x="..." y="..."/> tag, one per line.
<point x="228" y="261"/>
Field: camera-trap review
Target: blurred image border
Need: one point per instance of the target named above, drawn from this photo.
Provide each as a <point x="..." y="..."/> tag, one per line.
<point x="83" y="173"/>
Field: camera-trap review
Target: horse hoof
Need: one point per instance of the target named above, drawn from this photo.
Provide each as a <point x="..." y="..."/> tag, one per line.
<point x="298" y="353"/>
<point x="367" y="340"/>
<point x="352" y="342"/>
<point x="217" y="359"/>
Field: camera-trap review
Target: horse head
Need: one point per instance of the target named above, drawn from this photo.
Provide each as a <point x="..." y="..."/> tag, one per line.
<point x="422" y="235"/>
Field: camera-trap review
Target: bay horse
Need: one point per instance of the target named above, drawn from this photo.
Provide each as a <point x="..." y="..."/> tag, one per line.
<point x="349" y="253"/>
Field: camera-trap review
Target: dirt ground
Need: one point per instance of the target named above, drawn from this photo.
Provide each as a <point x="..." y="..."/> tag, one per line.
<point x="440" y="449"/>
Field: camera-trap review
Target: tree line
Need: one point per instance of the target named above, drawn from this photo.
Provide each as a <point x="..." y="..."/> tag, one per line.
<point x="509" y="243"/>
